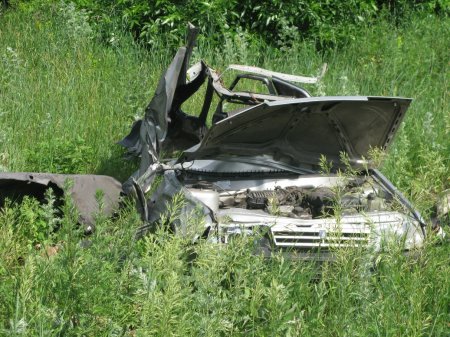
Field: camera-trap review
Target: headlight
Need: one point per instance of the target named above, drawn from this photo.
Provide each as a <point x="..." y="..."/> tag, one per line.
<point x="405" y="234"/>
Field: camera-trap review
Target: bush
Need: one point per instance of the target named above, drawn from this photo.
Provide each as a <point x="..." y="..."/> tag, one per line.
<point x="279" y="22"/>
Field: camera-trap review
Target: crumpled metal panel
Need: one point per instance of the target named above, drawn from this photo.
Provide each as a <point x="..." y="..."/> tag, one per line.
<point x="16" y="185"/>
<point x="166" y="127"/>
<point x="159" y="203"/>
<point x="147" y="135"/>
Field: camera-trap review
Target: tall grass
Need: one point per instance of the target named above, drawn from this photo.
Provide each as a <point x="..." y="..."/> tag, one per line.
<point x="115" y="286"/>
<point x="65" y="99"/>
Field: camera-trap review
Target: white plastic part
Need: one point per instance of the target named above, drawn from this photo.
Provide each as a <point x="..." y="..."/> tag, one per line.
<point x="286" y="77"/>
<point x="209" y="198"/>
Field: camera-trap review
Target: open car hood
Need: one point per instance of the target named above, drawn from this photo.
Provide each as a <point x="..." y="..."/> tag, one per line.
<point x="296" y="132"/>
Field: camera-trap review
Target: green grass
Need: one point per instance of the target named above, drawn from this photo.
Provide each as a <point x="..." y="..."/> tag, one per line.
<point x="62" y="91"/>
<point x="66" y="98"/>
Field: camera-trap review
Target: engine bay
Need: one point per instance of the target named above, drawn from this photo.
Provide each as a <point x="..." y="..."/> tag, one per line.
<point x="301" y="197"/>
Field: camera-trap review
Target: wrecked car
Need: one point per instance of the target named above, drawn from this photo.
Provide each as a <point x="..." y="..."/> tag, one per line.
<point x="274" y="165"/>
<point x="260" y="167"/>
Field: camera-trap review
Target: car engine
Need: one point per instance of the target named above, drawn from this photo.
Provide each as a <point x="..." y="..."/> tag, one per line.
<point x="311" y="202"/>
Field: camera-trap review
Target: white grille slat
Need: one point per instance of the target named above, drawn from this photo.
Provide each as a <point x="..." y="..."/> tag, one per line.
<point x="314" y="238"/>
<point x="318" y="238"/>
<point x="318" y="245"/>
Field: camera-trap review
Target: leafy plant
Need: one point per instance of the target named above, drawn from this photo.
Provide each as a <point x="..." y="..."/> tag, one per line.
<point x="60" y="156"/>
<point x="34" y="223"/>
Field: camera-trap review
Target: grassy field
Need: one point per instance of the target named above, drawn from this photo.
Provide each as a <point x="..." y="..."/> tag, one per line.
<point x="65" y="100"/>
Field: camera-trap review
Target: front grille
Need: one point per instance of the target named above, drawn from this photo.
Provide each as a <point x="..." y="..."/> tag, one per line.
<point x="314" y="239"/>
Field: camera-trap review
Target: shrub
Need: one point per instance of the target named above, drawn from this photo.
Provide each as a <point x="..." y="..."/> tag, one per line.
<point x="278" y="22"/>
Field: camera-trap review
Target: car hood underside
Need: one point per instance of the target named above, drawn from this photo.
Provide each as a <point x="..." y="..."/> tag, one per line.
<point x="298" y="131"/>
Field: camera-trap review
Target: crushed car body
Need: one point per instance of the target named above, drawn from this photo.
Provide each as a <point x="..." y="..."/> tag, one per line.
<point x="165" y="127"/>
<point x="258" y="168"/>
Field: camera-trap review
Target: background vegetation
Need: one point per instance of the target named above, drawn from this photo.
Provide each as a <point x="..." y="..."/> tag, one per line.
<point x="72" y="79"/>
<point x="274" y="21"/>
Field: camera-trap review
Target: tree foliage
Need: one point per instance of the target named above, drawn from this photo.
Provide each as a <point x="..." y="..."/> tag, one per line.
<point x="278" y="22"/>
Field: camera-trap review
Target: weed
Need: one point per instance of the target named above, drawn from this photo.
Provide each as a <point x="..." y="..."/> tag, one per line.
<point x="63" y="156"/>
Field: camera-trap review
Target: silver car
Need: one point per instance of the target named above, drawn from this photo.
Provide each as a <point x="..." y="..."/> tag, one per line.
<point x="291" y="169"/>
